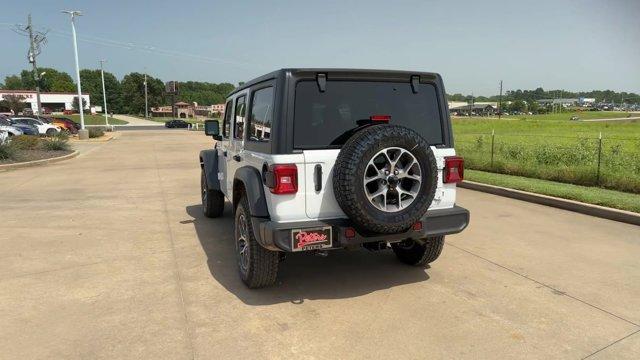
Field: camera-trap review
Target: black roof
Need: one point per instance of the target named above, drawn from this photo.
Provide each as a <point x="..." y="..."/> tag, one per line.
<point x="339" y="72"/>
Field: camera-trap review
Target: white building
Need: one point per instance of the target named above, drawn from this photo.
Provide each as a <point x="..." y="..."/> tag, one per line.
<point x="51" y="101"/>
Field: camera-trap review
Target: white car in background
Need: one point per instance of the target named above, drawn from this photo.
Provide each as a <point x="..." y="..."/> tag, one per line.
<point x="43" y="128"/>
<point x="9" y="130"/>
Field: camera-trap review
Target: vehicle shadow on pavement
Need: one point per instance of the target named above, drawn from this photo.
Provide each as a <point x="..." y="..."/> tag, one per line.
<point x="302" y="276"/>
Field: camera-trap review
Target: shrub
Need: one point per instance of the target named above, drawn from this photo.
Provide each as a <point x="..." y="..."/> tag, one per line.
<point x="96" y="132"/>
<point x="25" y="142"/>
<point x="56" y="143"/>
<point x="7" y="151"/>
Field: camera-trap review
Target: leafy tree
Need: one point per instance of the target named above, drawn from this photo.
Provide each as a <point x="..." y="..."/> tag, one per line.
<point x="53" y="80"/>
<point x="456" y="97"/>
<point x="518" y="105"/>
<point x="15" y="103"/>
<point x="12" y="82"/>
<point x="92" y="84"/>
<point x="133" y="92"/>
<point x="75" y="104"/>
<point x="203" y="93"/>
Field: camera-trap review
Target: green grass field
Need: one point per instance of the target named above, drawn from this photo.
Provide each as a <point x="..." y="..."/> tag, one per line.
<point x="591" y="195"/>
<point x="544" y="147"/>
<point x="96" y="120"/>
<point x="583" y="115"/>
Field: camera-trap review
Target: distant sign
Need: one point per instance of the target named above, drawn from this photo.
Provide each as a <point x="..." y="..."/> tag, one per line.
<point x="171" y="87"/>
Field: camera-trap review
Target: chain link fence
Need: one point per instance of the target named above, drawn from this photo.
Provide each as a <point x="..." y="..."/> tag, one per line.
<point x="612" y="163"/>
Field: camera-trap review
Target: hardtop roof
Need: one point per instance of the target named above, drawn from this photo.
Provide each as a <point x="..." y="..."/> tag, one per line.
<point x="336" y="71"/>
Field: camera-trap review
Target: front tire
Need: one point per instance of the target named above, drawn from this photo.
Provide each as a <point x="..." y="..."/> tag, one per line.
<point x="51" y="132"/>
<point x="414" y="253"/>
<point x="258" y="266"/>
<point x="212" y="200"/>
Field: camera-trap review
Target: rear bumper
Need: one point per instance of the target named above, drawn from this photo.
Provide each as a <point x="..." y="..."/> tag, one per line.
<point x="277" y="235"/>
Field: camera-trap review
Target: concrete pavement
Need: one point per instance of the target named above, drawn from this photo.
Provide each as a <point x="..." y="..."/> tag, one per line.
<point x="136" y="121"/>
<point x="108" y="256"/>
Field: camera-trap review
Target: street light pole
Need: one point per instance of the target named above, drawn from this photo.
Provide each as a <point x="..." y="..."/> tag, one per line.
<point x="146" y="102"/>
<point x="73" y="14"/>
<point x="104" y="93"/>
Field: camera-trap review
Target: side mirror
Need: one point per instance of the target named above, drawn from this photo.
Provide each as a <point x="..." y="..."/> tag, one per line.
<point x="212" y="128"/>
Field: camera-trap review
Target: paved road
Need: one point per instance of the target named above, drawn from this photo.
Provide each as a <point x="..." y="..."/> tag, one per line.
<point x="135" y="121"/>
<point x="108" y="256"/>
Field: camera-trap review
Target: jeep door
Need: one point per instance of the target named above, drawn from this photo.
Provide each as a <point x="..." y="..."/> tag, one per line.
<point x="235" y="143"/>
<point x="223" y="147"/>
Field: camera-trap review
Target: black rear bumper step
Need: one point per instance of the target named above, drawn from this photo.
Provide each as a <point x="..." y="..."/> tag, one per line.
<point x="277" y="235"/>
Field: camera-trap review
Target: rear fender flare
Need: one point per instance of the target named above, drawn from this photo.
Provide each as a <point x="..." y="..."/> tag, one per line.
<point x="249" y="179"/>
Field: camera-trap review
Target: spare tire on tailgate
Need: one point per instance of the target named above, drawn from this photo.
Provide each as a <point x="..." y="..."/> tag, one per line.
<point x="385" y="178"/>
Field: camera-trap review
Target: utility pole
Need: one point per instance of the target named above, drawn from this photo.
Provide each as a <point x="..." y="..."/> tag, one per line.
<point x="36" y="39"/>
<point x="32" y="60"/>
<point x="500" y="102"/>
<point x="104" y="93"/>
<point x="85" y="134"/>
<point x="146" y="101"/>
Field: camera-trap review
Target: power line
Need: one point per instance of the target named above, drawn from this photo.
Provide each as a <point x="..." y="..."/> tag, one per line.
<point x="148" y="48"/>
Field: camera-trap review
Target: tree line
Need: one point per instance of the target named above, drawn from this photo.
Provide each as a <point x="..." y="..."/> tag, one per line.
<point x="530" y="96"/>
<point x="123" y="96"/>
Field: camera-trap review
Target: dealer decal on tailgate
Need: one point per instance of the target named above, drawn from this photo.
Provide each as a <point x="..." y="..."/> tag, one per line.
<point x="311" y="239"/>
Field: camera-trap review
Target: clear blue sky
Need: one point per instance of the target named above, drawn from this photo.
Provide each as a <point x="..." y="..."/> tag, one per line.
<point x="575" y="45"/>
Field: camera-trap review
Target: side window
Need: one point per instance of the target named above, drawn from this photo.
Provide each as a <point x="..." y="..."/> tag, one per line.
<point x="240" y="116"/>
<point x="261" y="115"/>
<point x="226" y="123"/>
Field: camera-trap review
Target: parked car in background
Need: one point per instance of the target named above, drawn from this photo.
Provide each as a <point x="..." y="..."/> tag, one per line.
<point x="26" y="129"/>
<point x="65" y="119"/>
<point x="43" y="128"/>
<point x="68" y="112"/>
<point x="65" y="125"/>
<point x="11" y="130"/>
<point x="176" y="123"/>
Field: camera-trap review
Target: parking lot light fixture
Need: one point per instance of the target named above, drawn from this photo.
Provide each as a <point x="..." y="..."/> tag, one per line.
<point x="104" y="92"/>
<point x="73" y="14"/>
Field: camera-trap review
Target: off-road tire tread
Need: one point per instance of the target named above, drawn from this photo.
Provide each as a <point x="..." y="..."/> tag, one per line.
<point x="420" y="255"/>
<point x="345" y="179"/>
<point x="214" y="206"/>
<point x="263" y="263"/>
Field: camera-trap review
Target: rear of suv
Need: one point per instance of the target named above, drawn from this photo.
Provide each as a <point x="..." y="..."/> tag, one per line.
<point x="326" y="159"/>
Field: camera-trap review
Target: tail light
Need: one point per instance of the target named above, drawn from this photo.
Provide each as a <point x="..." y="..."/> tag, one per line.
<point x="282" y="179"/>
<point x="453" y="169"/>
<point x="380" y="118"/>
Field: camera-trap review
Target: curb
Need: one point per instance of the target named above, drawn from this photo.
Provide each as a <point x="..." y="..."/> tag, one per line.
<point x="39" y="162"/>
<point x="565" y="204"/>
<point x="99" y="140"/>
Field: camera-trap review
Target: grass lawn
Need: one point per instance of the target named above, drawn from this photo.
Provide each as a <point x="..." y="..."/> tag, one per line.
<point x="96" y="120"/>
<point x="541" y="146"/>
<point x="590" y="195"/>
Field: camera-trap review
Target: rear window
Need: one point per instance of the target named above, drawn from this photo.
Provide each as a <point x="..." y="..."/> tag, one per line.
<point x="326" y="119"/>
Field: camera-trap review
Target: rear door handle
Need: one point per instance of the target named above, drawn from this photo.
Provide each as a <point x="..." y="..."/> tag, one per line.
<point x="318" y="177"/>
<point x="237" y="158"/>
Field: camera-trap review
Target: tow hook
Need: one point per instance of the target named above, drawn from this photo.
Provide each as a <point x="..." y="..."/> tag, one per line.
<point x="321" y="253"/>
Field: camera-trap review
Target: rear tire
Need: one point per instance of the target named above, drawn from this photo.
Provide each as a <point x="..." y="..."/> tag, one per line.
<point x="413" y="253"/>
<point x="258" y="266"/>
<point x="212" y="200"/>
<point x="51" y="132"/>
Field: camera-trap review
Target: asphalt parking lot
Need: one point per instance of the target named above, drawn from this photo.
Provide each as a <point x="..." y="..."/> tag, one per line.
<point x="108" y="256"/>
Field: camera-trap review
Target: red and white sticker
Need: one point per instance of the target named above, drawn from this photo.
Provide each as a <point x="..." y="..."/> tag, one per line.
<point x="311" y="239"/>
